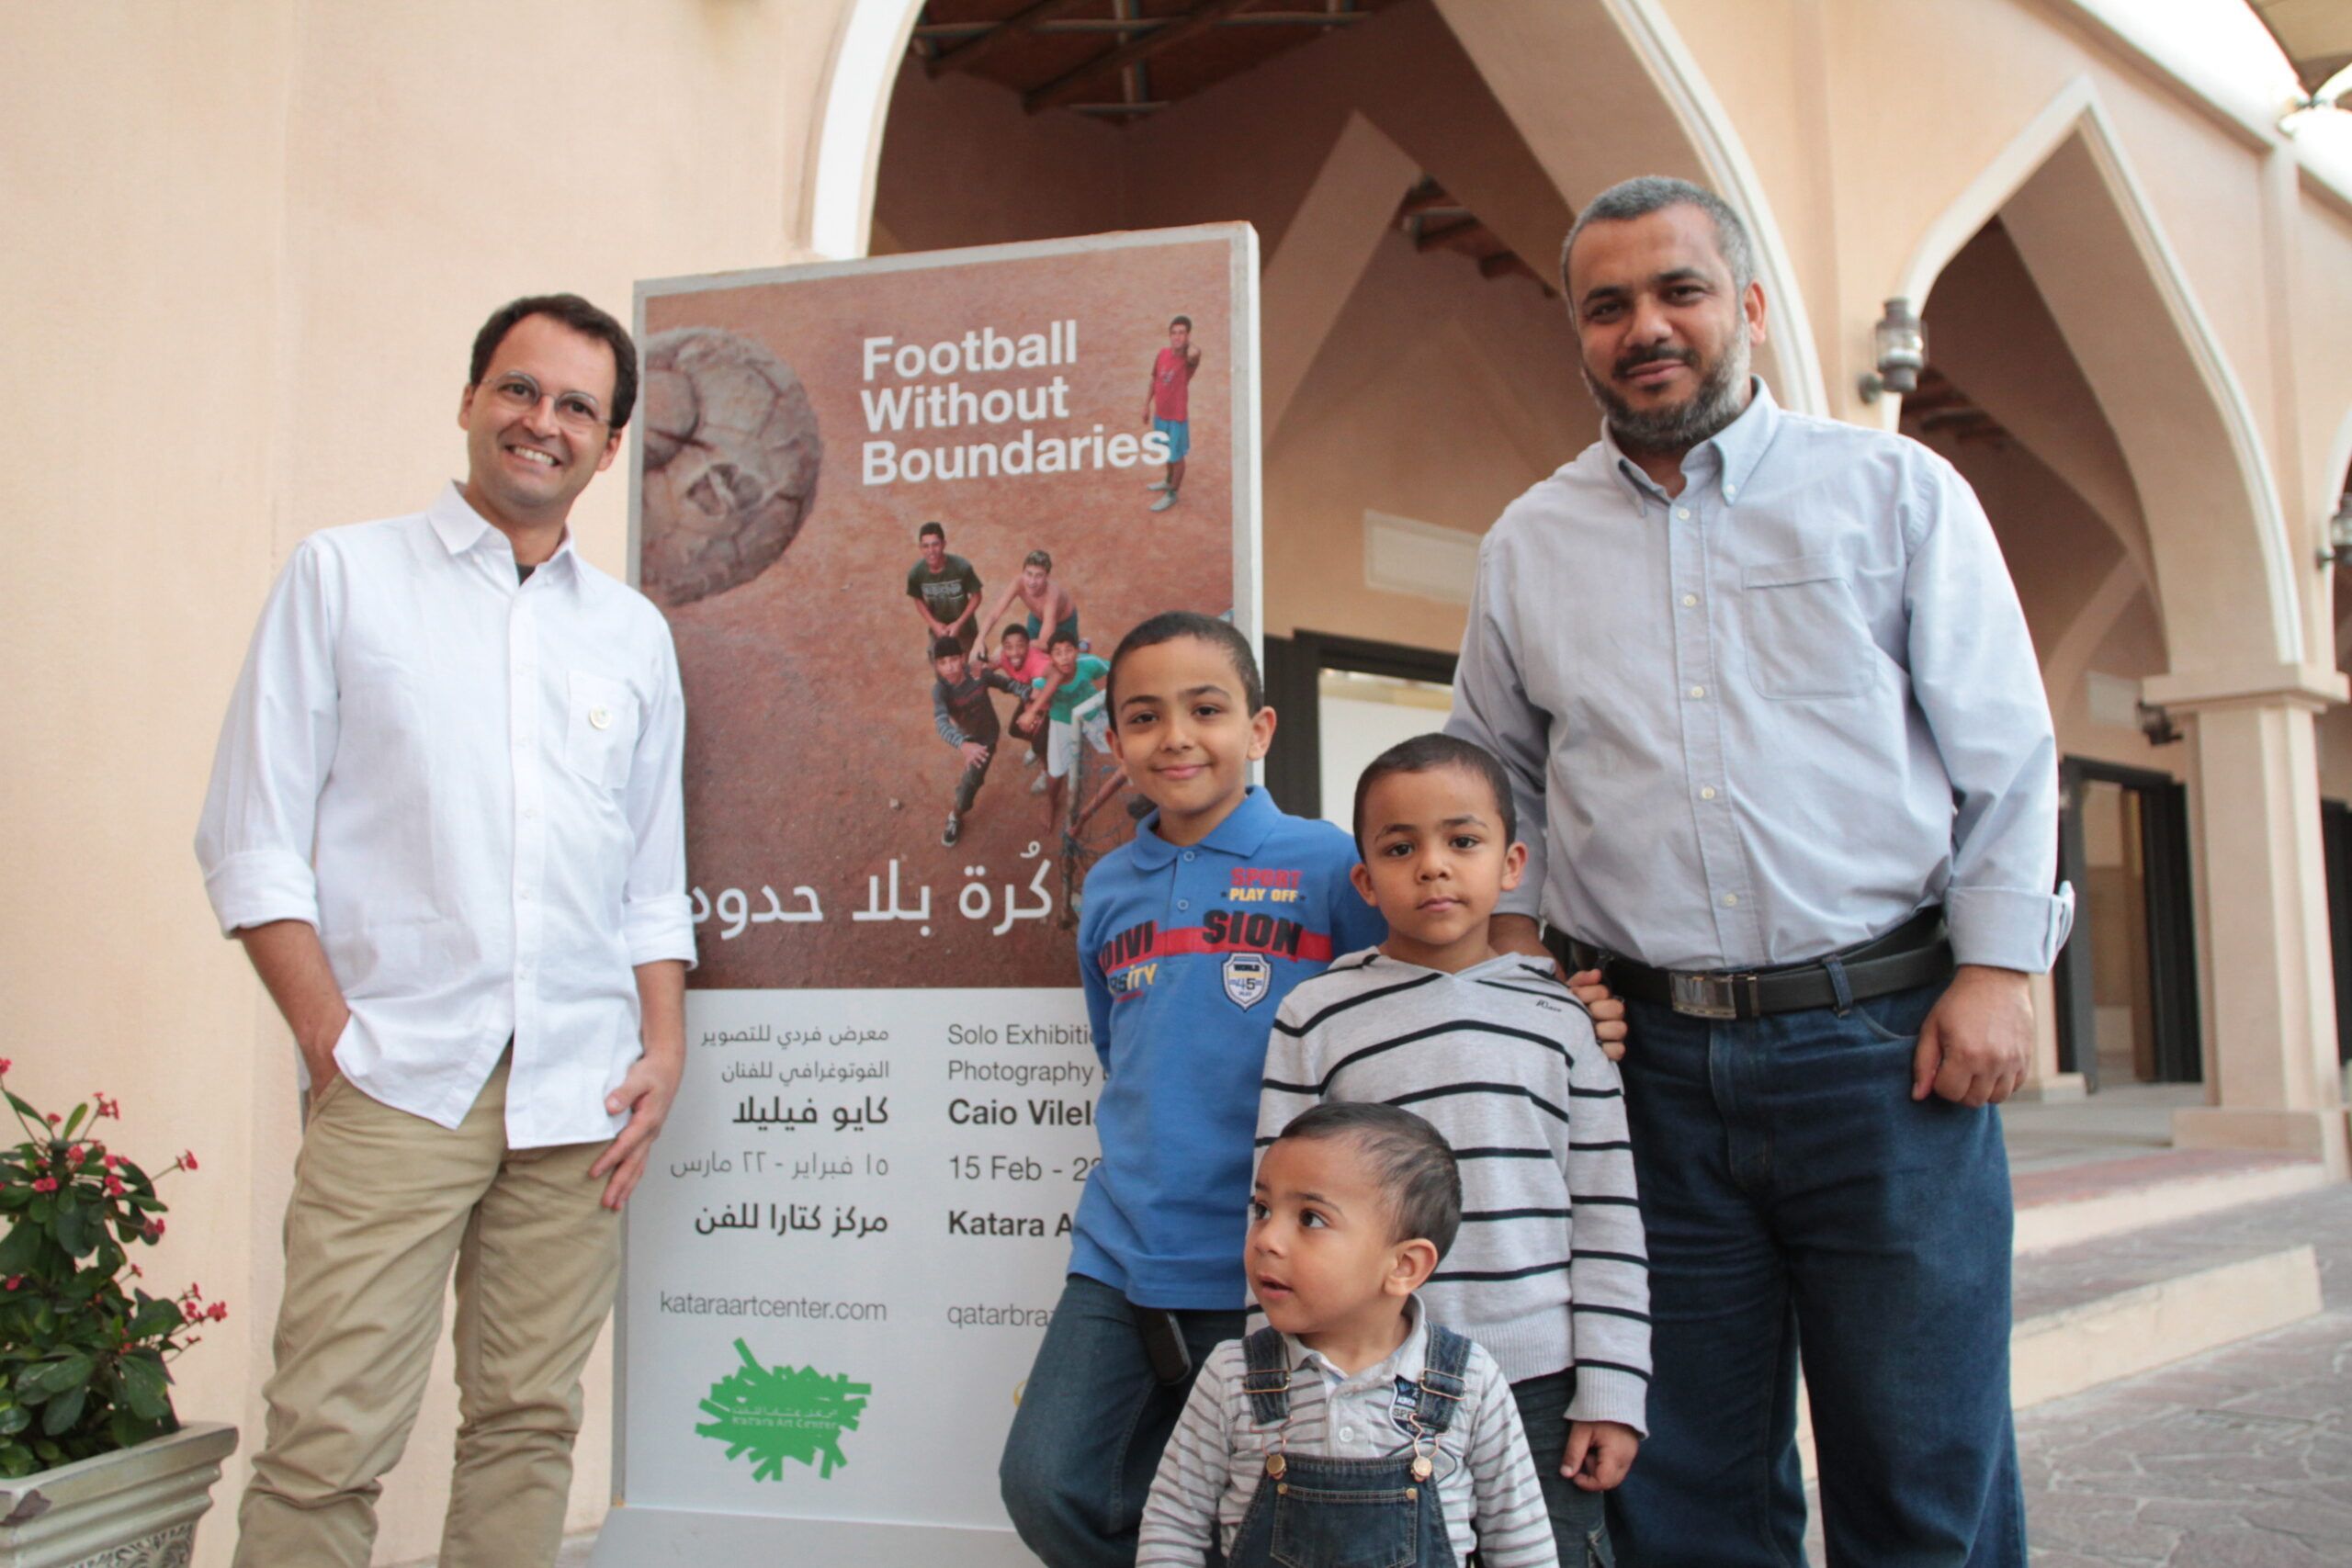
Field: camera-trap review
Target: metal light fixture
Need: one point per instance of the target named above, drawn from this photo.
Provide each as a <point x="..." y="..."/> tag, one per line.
<point x="2337" y="551"/>
<point x="1902" y="344"/>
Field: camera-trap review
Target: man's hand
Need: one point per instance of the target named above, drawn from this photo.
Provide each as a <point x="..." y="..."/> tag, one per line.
<point x="651" y="1083"/>
<point x="1608" y="1012"/>
<point x="1598" y="1453"/>
<point x="1976" y="1044"/>
<point x="646" y="1094"/>
<point x="974" y="753"/>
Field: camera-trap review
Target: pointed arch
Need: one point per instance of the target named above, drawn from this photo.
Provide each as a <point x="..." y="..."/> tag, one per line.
<point x="2080" y="216"/>
<point x="837" y="200"/>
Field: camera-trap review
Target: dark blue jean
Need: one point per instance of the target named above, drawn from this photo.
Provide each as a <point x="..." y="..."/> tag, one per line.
<point x="1799" y="1203"/>
<point x="1086" y="1440"/>
<point x="1579" y="1519"/>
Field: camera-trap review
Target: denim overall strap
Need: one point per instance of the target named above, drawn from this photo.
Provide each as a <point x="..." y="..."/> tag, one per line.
<point x="1267" y="1382"/>
<point x="1446" y="1359"/>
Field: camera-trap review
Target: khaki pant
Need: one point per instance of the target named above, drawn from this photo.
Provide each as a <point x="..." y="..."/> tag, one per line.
<point x="383" y="1201"/>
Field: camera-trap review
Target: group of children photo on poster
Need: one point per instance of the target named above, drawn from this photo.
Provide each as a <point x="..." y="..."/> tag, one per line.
<point x="1445" y="1347"/>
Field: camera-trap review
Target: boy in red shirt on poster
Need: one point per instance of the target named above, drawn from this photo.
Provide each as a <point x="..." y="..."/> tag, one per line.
<point x="1166" y="406"/>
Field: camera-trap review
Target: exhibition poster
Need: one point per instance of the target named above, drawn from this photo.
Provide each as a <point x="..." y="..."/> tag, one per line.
<point x="899" y="513"/>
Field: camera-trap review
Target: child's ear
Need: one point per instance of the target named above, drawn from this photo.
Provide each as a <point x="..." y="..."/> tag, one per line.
<point x="1514" y="864"/>
<point x="1409" y="1267"/>
<point x="1361" y="874"/>
<point x="1262" y="732"/>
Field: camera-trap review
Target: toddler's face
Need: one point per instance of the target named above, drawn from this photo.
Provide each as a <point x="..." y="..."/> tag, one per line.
<point x="1436" y="860"/>
<point x="1319" y="1254"/>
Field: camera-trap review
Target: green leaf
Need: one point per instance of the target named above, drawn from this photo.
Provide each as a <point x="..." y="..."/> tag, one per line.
<point x="52" y="1378"/>
<point x="58" y="1417"/>
<point x="15" y="1420"/>
<point x="73" y="1229"/>
<point x="22" y="1248"/>
<point x="48" y="1451"/>
<point x="24" y="1109"/>
<point x="73" y="1120"/>
<point x="145" y="1388"/>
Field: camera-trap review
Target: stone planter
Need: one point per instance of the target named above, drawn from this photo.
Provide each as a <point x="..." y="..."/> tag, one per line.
<point x="134" y="1508"/>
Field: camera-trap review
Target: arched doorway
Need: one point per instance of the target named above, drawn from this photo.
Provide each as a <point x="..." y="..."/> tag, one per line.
<point x="2153" y="553"/>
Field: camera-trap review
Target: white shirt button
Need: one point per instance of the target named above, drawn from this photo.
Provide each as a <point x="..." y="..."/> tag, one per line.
<point x="531" y="813"/>
<point x="1347" y="1434"/>
<point x="1706" y="791"/>
<point x="1689" y="600"/>
<point x="1699" y="691"/>
<point x="1730" y="491"/>
<point x="602" y="718"/>
<point x="1731" y="900"/>
<point x="1683" y="513"/>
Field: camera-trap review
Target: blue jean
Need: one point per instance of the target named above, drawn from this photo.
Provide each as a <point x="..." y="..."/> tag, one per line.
<point x="1085" y="1442"/>
<point x="1799" y="1203"/>
<point x="1579" y="1519"/>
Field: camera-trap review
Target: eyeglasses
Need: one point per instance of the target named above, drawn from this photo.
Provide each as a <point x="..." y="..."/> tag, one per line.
<point x="517" y="394"/>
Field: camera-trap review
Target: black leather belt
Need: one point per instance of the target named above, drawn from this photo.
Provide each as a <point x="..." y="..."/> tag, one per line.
<point x="1917" y="953"/>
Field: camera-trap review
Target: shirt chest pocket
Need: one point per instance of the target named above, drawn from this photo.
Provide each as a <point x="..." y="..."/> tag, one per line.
<point x="1804" y="631"/>
<point x="601" y="728"/>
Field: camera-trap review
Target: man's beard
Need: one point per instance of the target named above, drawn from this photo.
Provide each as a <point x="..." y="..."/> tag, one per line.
<point x="1722" y="397"/>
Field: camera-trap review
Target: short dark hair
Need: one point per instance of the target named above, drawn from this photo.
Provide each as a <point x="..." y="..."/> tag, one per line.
<point x="1183" y="322"/>
<point x="1016" y="629"/>
<point x="1645" y="194"/>
<point x="946" y="648"/>
<point x="928" y="529"/>
<point x="1410" y="1160"/>
<point x="581" y="317"/>
<point x="1058" y="636"/>
<point x="1039" y="557"/>
<point x="1426" y="753"/>
<point x="1170" y="625"/>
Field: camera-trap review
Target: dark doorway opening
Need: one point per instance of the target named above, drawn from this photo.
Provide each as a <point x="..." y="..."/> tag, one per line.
<point x="1304" y="672"/>
<point x="2335" y="838"/>
<point x="2127" y="981"/>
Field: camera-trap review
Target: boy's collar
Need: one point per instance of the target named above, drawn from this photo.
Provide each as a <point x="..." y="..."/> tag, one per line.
<point x="1242" y="834"/>
<point x="1404" y="1360"/>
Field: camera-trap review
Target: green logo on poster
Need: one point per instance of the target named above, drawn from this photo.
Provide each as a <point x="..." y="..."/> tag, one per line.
<point x="774" y="1414"/>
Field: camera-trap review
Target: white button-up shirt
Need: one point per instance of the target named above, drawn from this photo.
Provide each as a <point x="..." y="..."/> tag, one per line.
<point x="472" y="788"/>
<point x="1772" y="717"/>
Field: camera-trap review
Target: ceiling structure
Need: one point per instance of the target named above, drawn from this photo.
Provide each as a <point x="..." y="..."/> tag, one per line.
<point x="1118" y="60"/>
<point x="1123" y="61"/>
<point x="2315" y="35"/>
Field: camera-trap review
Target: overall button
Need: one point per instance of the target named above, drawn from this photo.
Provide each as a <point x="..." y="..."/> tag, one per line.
<point x="601" y="718"/>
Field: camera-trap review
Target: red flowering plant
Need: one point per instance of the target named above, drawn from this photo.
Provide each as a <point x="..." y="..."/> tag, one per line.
<point x="83" y="1360"/>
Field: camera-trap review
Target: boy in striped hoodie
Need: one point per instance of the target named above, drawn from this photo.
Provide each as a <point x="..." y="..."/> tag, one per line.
<point x="1549" y="1273"/>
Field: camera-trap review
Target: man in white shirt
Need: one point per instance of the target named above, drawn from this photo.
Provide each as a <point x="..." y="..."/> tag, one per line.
<point x="444" y="820"/>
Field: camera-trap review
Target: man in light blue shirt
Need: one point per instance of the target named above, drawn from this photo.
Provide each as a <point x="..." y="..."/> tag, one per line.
<point x="1764" y="681"/>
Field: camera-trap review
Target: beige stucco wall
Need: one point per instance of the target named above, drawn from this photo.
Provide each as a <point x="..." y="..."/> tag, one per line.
<point x="247" y="248"/>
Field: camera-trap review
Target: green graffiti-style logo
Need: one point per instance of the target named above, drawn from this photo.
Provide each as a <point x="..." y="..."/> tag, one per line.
<point x="774" y="1414"/>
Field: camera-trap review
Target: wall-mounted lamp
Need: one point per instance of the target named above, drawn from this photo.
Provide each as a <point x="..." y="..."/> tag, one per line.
<point x="2337" y="551"/>
<point x="2157" y="725"/>
<point x="1902" y="344"/>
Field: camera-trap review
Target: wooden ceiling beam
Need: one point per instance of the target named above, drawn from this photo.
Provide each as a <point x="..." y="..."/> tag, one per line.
<point x="1072" y="87"/>
<point x="964" y="56"/>
<point x="1430" y="238"/>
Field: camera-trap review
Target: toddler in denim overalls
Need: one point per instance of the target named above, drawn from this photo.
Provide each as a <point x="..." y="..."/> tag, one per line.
<point x="1351" y="1431"/>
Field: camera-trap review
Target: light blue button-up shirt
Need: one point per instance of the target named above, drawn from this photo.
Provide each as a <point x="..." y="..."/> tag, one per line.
<point x="1772" y="717"/>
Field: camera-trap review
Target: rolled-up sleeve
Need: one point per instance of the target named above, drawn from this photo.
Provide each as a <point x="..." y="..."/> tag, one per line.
<point x="657" y="919"/>
<point x="260" y="814"/>
<point x="1491" y="708"/>
<point x="1973" y="674"/>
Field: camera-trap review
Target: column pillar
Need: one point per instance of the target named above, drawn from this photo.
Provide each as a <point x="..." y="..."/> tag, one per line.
<point x="2268" y="989"/>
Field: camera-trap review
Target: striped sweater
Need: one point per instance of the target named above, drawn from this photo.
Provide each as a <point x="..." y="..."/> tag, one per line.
<point x="1549" y="1272"/>
<point x="1210" y="1470"/>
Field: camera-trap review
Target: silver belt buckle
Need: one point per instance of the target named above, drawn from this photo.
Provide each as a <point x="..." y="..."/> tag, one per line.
<point x="1704" y="996"/>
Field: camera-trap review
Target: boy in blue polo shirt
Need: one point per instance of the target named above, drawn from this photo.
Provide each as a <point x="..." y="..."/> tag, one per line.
<point x="1192" y="935"/>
